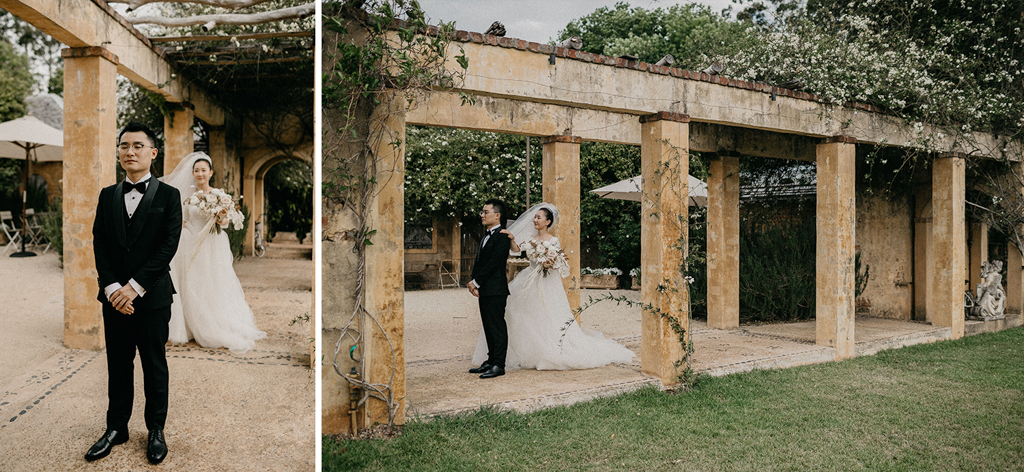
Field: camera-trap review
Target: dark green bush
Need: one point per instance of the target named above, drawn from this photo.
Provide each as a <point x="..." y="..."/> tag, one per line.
<point x="237" y="238"/>
<point x="53" y="227"/>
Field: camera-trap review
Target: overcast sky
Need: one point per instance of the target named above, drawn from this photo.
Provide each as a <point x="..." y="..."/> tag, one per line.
<point x="532" y="20"/>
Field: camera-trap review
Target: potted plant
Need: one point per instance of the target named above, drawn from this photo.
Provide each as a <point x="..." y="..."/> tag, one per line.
<point x="607" y="278"/>
<point x="635" y="274"/>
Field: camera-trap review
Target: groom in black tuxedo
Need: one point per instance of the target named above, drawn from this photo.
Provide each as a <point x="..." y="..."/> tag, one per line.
<point x="490" y="285"/>
<point x="135" y="235"/>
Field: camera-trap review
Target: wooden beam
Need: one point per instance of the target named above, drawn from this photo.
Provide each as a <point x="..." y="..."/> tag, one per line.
<point x="246" y="61"/>
<point x="239" y="37"/>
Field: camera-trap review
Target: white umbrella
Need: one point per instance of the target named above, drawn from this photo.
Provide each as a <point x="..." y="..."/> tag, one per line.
<point x="24" y="138"/>
<point x="629" y="189"/>
<point x="27" y="135"/>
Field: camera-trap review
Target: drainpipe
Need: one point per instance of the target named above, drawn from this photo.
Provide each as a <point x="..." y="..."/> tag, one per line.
<point x="353" y="399"/>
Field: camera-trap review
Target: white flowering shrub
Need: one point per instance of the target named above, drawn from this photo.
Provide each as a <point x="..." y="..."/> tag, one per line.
<point x="600" y="271"/>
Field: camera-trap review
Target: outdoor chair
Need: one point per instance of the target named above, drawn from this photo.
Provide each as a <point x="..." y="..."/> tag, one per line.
<point x="35" y="229"/>
<point x="446" y="274"/>
<point x="12" y="233"/>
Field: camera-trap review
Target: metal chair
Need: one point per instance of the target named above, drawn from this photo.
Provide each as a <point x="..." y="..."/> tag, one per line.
<point x="12" y="233"/>
<point x="446" y="274"/>
<point x="37" y="237"/>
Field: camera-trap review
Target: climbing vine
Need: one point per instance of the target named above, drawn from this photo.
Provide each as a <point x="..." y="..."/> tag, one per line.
<point x="377" y="65"/>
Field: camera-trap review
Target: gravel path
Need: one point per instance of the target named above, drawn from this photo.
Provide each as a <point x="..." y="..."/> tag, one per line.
<point x="227" y="412"/>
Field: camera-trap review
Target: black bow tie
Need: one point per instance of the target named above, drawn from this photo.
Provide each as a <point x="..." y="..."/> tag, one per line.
<point x="141" y="186"/>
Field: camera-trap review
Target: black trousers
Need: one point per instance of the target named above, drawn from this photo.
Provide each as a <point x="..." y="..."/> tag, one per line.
<point x="145" y="331"/>
<point x="492" y="314"/>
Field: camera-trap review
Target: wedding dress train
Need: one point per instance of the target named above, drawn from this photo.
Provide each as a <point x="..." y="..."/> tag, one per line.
<point x="210" y="306"/>
<point x="542" y="333"/>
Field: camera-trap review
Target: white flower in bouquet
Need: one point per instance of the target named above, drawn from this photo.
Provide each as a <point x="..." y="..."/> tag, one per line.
<point x="220" y="205"/>
<point x="547" y="255"/>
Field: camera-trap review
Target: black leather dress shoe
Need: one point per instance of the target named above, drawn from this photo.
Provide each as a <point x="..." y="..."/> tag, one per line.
<point x="483" y="368"/>
<point x="102" y="447"/>
<point x="492" y="372"/>
<point x="157" y="449"/>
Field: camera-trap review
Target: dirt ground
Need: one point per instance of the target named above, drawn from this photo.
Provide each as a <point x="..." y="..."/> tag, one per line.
<point x="227" y="412"/>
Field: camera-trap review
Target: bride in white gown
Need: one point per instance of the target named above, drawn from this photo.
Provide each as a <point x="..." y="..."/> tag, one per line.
<point x="210" y="306"/>
<point x="540" y="335"/>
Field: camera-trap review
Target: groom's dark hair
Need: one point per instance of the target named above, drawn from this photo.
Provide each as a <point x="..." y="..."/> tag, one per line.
<point x="134" y="127"/>
<point x="500" y="208"/>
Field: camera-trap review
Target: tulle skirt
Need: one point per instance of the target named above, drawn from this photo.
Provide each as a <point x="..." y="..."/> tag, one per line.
<point x="210" y="306"/>
<point x="542" y="333"/>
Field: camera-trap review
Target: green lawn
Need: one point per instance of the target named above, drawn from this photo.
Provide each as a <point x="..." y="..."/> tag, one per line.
<point x="955" y="405"/>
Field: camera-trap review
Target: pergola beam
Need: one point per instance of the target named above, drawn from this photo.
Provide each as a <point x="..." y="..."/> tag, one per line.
<point x="238" y="37"/>
<point x="209" y="21"/>
<point x="525" y="71"/>
<point x="91" y="23"/>
<point x="505" y="115"/>
<point x="232" y="4"/>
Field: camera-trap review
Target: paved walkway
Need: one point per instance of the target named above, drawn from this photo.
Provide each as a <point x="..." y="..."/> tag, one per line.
<point x="440" y="343"/>
<point x="227" y="412"/>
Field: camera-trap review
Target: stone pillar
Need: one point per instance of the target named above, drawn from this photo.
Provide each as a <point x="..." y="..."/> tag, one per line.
<point x="664" y="156"/>
<point x="978" y="254"/>
<point x="248" y="195"/>
<point x="385" y="287"/>
<point x="179" y="139"/>
<point x="724" y="242"/>
<point x="218" y="151"/>
<point x="946" y="302"/>
<point x="1014" y="279"/>
<point x="562" y="188"/>
<point x="457" y="249"/>
<point x="836" y="240"/>
<point x="90" y="163"/>
<point x="258" y="205"/>
<point x="922" y="248"/>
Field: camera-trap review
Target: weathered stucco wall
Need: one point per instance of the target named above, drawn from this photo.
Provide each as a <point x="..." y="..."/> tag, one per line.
<point x="885" y="238"/>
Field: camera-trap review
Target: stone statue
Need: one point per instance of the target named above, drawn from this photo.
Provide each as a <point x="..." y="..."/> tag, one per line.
<point x="991" y="297"/>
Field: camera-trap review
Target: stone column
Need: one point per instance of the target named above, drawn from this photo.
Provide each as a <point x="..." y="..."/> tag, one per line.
<point x="836" y="240"/>
<point x="664" y="156"/>
<point x="258" y="206"/>
<point x="385" y="287"/>
<point x="724" y="242"/>
<point x="218" y="151"/>
<point x="457" y="249"/>
<point x="90" y="163"/>
<point x="248" y="195"/>
<point x="978" y="254"/>
<point x="922" y="248"/>
<point x="1014" y="279"/>
<point x="946" y="302"/>
<point x="179" y="139"/>
<point x="561" y="183"/>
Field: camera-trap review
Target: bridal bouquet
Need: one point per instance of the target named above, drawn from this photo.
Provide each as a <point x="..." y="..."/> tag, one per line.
<point x="220" y="205"/>
<point x="547" y="255"/>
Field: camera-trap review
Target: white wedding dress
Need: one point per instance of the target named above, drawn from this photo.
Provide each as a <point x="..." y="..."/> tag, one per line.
<point x="210" y="306"/>
<point x="537" y="314"/>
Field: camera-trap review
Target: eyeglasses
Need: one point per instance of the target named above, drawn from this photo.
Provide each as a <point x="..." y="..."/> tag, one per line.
<point x="137" y="147"/>
<point x="485" y="212"/>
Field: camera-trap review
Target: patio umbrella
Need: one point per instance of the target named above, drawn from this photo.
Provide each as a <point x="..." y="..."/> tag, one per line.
<point x="28" y="138"/>
<point x="629" y="189"/>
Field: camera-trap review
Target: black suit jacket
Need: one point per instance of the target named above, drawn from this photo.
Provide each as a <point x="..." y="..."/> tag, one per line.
<point x="489" y="269"/>
<point x="141" y="250"/>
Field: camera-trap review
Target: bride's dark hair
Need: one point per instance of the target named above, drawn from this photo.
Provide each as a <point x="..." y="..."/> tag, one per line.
<point x="208" y="162"/>
<point x="547" y="214"/>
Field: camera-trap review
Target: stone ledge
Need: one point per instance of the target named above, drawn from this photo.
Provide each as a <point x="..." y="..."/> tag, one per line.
<point x="1012" y="320"/>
